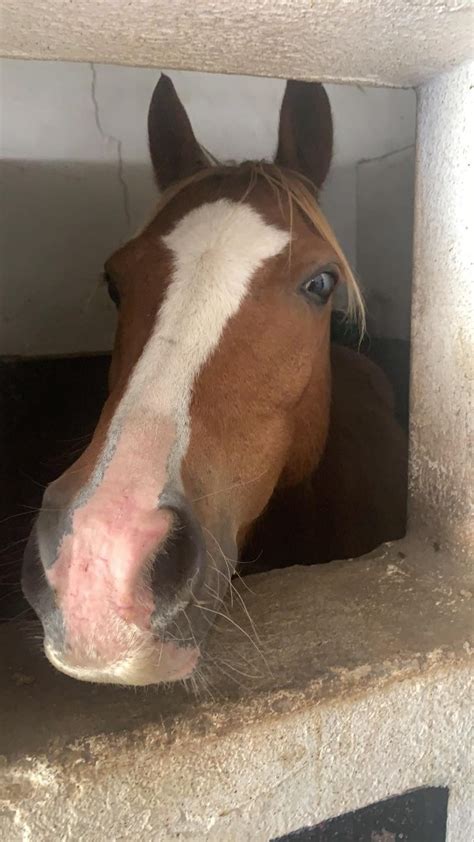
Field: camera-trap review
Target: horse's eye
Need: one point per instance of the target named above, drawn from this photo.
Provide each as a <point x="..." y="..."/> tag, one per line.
<point x="320" y="286"/>
<point x="112" y="289"/>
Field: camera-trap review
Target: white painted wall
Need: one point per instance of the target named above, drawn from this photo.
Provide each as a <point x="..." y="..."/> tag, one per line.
<point x="75" y="181"/>
<point x="384" y="238"/>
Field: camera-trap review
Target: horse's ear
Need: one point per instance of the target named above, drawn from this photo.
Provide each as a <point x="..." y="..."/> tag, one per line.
<point x="305" y="135"/>
<point x="175" y="152"/>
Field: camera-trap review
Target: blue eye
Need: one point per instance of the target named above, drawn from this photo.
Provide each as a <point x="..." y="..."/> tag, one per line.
<point x="320" y="286"/>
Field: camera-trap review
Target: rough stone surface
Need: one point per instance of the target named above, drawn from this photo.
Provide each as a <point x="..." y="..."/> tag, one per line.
<point x="357" y="689"/>
<point x="441" y="435"/>
<point x="384" y="42"/>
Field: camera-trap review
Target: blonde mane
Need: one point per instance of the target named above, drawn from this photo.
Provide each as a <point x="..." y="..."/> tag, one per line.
<point x="299" y="192"/>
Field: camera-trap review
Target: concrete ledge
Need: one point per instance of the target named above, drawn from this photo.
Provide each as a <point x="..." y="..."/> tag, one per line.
<point x="384" y="42"/>
<point x="361" y="693"/>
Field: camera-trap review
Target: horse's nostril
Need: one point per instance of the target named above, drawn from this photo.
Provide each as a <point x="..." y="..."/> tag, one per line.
<point x="102" y="586"/>
<point x="179" y="565"/>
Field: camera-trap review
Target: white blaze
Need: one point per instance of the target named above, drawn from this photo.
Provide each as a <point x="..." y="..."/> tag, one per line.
<point x="217" y="248"/>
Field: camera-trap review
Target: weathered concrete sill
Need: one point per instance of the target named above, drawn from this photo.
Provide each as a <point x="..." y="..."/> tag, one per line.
<point x="355" y="690"/>
<point x="399" y="43"/>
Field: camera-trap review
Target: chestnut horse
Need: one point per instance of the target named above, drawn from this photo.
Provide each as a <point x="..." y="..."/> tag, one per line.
<point x="231" y="429"/>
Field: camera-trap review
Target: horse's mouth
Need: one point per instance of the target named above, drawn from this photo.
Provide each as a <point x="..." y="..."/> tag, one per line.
<point x="152" y="662"/>
<point x="155" y="637"/>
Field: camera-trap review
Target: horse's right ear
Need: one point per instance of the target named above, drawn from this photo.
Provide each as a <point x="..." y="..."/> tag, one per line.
<point x="305" y="136"/>
<point x="175" y="152"/>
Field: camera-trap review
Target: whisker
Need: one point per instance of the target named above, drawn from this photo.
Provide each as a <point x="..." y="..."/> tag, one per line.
<point x="20" y="614"/>
<point x="232" y="561"/>
<point x="242" y="580"/>
<point x="32" y="510"/>
<point x="231" y="666"/>
<point x="239" y="628"/>
<point x="235" y="590"/>
<point x="9" y="547"/>
<point x="239" y="484"/>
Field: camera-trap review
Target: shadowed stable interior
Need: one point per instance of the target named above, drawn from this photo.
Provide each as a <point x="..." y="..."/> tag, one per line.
<point x="49" y="408"/>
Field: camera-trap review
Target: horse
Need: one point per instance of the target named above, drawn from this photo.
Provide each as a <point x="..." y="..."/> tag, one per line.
<point x="232" y="432"/>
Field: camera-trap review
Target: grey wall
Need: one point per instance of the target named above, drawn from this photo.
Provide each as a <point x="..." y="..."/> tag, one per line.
<point x="76" y="181"/>
<point x="384" y="238"/>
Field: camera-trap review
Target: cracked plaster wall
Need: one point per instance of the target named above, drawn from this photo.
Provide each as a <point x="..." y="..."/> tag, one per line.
<point x="75" y="181"/>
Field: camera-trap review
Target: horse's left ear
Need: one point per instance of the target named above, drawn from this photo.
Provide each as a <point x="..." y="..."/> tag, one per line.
<point x="306" y="135"/>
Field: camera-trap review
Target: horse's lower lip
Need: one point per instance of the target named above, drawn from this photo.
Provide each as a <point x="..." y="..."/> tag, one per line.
<point x="160" y="663"/>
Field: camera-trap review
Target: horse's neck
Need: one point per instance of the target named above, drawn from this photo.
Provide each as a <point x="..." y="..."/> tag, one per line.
<point x="354" y="498"/>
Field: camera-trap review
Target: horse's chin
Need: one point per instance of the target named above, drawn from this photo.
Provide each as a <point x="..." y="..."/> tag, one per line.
<point x="153" y="663"/>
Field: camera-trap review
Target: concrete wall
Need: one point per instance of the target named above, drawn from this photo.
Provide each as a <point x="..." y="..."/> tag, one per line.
<point x="398" y="43"/>
<point x="304" y="726"/>
<point x="76" y="181"/>
<point x="384" y="239"/>
<point x="442" y="377"/>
